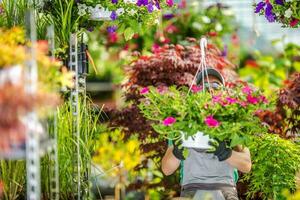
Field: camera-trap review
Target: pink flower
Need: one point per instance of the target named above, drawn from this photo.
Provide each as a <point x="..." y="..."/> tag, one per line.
<point x="144" y="90"/>
<point x="170" y="3"/>
<point x="294" y="22"/>
<point x="231" y="100"/>
<point x="169" y="121"/>
<point x="162" y="89"/>
<point x="211" y="122"/>
<point x="243" y="104"/>
<point x="263" y="99"/>
<point x="216" y="99"/>
<point x="196" y="88"/>
<point x="252" y="99"/>
<point x="247" y="90"/>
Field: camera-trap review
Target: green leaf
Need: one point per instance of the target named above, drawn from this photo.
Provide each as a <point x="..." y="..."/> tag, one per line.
<point x="128" y="33"/>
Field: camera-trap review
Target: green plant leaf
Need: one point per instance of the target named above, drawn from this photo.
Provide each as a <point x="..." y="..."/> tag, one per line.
<point x="128" y="33"/>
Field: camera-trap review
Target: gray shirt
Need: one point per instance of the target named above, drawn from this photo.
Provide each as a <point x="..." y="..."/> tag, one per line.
<point x="201" y="167"/>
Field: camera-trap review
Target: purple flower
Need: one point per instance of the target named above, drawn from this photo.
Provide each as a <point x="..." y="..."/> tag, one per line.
<point x="225" y="51"/>
<point x="142" y="3"/>
<point x="279" y="2"/>
<point x="113" y="15"/>
<point x="168" y="16"/>
<point x="169" y="121"/>
<point x="260" y="6"/>
<point x="111" y="29"/>
<point x="90" y="29"/>
<point x="157" y="4"/>
<point x="114" y="1"/>
<point x="269" y="14"/>
<point x="150" y="7"/>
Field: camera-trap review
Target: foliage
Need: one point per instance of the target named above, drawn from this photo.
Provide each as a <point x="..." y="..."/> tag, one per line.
<point x="268" y="72"/>
<point x="285" y="119"/>
<point x="282" y="11"/>
<point x="225" y="115"/>
<point x="162" y="69"/>
<point x="89" y="130"/>
<point x="72" y="16"/>
<point x="12" y="174"/>
<point x="275" y="162"/>
<point x="113" y="151"/>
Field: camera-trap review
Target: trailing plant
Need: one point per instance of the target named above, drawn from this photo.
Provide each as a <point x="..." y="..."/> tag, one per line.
<point x="275" y="162"/>
<point x="72" y="16"/>
<point x="284" y="12"/>
<point x="225" y="115"/>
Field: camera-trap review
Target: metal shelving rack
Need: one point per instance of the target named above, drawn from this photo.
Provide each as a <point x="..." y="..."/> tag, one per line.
<point x="78" y="64"/>
<point x="36" y="147"/>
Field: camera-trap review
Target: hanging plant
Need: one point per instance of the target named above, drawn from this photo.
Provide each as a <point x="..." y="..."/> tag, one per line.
<point x="285" y="12"/>
<point x="226" y="115"/>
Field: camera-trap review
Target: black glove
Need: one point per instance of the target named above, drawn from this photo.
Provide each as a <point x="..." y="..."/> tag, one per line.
<point x="220" y="150"/>
<point x="178" y="153"/>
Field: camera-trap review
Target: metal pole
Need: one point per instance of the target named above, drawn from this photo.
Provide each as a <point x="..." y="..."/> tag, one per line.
<point x="73" y="64"/>
<point x="32" y="137"/>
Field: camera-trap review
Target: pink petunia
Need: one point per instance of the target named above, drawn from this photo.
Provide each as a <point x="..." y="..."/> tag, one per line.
<point x="162" y="89"/>
<point x="247" y="90"/>
<point x="144" y="90"/>
<point x="216" y="99"/>
<point x="294" y="22"/>
<point x="231" y="100"/>
<point x="243" y="104"/>
<point x="211" y="122"/>
<point x="169" y="121"/>
<point x="263" y="99"/>
<point x="196" y="88"/>
<point x="252" y="100"/>
<point x="170" y="3"/>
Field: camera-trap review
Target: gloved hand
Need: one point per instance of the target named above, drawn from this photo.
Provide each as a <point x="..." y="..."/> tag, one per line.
<point x="220" y="149"/>
<point x="178" y="153"/>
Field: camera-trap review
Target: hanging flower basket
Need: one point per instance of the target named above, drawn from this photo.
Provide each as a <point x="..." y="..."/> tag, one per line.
<point x="285" y="12"/>
<point x="226" y="115"/>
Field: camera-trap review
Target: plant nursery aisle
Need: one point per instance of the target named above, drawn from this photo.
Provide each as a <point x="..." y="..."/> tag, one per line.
<point x="149" y="100"/>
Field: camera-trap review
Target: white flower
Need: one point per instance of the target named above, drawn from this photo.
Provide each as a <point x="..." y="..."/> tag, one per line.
<point x="206" y="19"/>
<point x="288" y="13"/>
<point x="218" y="27"/>
<point x="156" y="21"/>
<point x="120" y="11"/>
<point x="131" y="12"/>
<point x="130" y="1"/>
<point x="82" y="9"/>
<point x="197" y="26"/>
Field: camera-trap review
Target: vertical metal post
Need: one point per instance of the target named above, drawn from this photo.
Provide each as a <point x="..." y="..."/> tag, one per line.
<point x="32" y="137"/>
<point x="73" y="65"/>
<point x="54" y="170"/>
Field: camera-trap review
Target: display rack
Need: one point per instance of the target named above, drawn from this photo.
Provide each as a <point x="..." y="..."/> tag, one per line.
<point x="36" y="146"/>
<point x="79" y="65"/>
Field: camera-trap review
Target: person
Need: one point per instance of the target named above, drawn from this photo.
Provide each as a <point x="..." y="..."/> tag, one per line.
<point x="208" y="173"/>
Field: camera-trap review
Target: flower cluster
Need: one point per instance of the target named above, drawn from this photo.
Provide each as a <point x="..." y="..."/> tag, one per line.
<point x="282" y="11"/>
<point x="141" y="11"/>
<point x="228" y="114"/>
